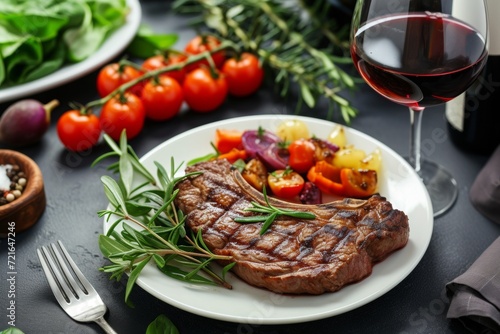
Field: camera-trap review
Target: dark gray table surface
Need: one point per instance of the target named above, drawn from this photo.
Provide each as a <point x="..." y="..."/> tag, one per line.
<point x="74" y="194"/>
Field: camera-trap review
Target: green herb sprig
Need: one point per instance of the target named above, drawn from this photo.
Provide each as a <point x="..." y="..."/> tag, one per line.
<point x="152" y="228"/>
<point x="271" y="213"/>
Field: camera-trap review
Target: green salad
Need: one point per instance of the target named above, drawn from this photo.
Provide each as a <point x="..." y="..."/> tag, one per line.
<point x="37" y="37"/>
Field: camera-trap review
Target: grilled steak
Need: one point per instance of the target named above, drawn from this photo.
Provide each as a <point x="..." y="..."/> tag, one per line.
<point x="294" y="256"/>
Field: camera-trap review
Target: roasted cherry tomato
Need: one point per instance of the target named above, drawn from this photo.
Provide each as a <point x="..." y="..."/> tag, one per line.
<point x="302" y="155"/>
<point x="78" y="130"/>
<point x="285" y="183"/>
<point x="243" y="74"/>
<point x="202" y="92"/>
<point x="114" y="75"/>
<point x="122" y="112"/>
<point x="162" y="98"/>
<point x="359" y="183"/>
<point x="161" y="61"/>
<point x="200" y="44"/>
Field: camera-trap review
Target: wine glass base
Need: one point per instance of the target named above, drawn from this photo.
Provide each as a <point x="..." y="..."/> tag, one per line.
<point x="440" y="184"/>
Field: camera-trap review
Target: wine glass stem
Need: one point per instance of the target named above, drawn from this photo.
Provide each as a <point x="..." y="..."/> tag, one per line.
<point x="416" y="124"/>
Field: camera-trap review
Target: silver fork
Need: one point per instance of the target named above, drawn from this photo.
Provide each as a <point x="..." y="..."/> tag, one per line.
<point x="72" y="290"/>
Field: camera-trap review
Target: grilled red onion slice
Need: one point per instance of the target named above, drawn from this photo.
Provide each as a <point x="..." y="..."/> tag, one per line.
<point x="258" y="141"/>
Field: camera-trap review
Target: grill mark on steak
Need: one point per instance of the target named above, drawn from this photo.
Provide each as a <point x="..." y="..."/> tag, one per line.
<point x="295" y="256"/>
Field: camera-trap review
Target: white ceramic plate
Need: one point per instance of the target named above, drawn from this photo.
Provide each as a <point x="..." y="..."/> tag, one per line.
<point x="112" y="47"/>
<point x="246" y="304"/>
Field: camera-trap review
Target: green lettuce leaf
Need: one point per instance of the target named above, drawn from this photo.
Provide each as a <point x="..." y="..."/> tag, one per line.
<point x="146" y="43"/>
<point x="37" y="37"/>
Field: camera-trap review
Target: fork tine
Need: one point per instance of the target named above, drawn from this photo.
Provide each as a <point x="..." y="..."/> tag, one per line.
<point x="65" y="257"/>
<point x="72" y="290"/>
<point x="56" y="282"/>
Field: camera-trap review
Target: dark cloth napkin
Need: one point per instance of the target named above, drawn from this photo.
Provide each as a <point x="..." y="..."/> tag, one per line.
<point x="475" y="295"/>
<point x="485" y="191"/>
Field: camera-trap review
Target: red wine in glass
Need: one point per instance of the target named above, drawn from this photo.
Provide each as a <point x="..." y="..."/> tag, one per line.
<point x="421" y="53"/>
<point x="430" y="71"/>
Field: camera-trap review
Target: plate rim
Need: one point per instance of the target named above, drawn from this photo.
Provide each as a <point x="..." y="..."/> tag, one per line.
<point x="70" y="72"/>
<point x="319" y="315"/>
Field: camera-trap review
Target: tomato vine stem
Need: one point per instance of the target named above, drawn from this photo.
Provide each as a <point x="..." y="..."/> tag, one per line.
<point x="151" y="74"/>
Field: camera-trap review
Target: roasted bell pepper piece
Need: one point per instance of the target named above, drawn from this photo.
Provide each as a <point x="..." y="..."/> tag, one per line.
<point x="233" y="155"/>
<point x="326" y="177"/>
<point x="226" y="140"/>
<point x="343" y="181"/>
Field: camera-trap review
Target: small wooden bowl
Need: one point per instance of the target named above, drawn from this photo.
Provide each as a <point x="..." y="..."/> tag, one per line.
<point x="27" y="209"/>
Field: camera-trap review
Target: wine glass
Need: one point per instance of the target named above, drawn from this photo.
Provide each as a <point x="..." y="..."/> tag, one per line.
<point x="421" y="53"/>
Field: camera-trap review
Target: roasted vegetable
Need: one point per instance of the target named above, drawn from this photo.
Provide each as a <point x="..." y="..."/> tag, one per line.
<point x="347" y="182"/>
<point x="255" y="173"/>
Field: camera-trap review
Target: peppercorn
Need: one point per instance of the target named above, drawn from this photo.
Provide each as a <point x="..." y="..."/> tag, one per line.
<point x="17" y="183"/>
<point x="10" y="197"/>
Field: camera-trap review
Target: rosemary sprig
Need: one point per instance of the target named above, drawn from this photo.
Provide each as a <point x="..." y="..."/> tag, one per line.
<point x="291" y="48"/>
<point x="271" y="213"/>
<point x="139" y="199"/>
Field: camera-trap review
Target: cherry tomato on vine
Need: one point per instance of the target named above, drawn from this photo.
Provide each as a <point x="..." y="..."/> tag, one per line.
<point x="78" y="131"/>
<point x="162" y="98"/>
<point x="201" y="44"/>
<point x="122" y="112"/>
<point x="114" y="75"/>
<point x="302" y="155"/>
<point x="285" y="183"/>
<point x="161" y="61"/>
<point x="244" y="74"/>
<point x="202" y="92"/>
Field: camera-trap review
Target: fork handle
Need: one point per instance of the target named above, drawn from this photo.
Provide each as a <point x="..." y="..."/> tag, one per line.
<point x="105" y="326"/>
